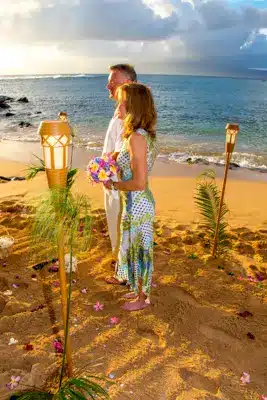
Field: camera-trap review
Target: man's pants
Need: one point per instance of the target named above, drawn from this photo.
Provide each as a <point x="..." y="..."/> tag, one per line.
<point x="113" y="213"/>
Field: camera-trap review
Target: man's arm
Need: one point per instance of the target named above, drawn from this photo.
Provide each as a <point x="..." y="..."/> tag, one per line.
<point x="119" y="135"/>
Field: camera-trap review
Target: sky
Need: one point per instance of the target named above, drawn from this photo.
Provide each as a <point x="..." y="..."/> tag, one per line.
<point x="196" y="37"/>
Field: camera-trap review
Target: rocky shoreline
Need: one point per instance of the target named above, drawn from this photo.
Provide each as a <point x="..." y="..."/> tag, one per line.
<point x="9" y="103"/>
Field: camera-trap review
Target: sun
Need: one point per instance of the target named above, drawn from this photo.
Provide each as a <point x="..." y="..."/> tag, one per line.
<point x="11" y="60"/>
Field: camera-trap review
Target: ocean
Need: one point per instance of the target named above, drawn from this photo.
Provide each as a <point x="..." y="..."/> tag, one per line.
<point x="192" y="113"/>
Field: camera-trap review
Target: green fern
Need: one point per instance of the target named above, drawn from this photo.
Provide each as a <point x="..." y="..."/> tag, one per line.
<point x="207" y="200"/>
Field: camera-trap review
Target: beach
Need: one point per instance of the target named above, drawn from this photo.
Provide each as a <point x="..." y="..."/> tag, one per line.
<point x="207" y="322"/>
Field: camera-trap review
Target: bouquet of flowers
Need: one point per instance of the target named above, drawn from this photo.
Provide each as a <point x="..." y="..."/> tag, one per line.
<point x="102" y="169"/>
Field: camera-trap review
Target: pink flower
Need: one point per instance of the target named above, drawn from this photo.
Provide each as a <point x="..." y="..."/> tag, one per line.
<point x="98" y="306"/>
<point x="84" y="291"/>
<point x="114" y="320"/>
<point x="245" y="378"/>
<point x="58" y="346"/>
<point x="13" y="382"/>
<point x="263" y="397"/>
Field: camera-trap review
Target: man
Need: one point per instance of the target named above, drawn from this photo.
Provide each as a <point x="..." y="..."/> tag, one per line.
<point x="119" y="74"/>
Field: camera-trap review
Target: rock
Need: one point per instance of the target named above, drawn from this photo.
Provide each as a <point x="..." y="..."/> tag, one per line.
<point x="4" y="105"/>
<point x="5" y="98"/>
<point x="234" y="166"/>
<point x="9" y="114"/>
<point x="24" y="124"/>
<point x="23" y="100"/>
<point x="38" y="112"/>
<point x="36" y="378"/>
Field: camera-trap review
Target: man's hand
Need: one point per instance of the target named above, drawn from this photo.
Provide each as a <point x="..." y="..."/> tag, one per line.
<point x="108" y="184"/>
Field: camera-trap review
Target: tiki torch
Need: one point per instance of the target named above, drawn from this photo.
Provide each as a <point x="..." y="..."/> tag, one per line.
<point x="56" y="141"/>
<point x="231" y="133"/>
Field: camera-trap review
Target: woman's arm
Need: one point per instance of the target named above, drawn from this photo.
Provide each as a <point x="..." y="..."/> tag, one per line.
<point x="137" y="147"/>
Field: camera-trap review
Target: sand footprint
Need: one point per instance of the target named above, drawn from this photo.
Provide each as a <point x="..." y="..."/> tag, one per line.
<point x="219" y="335"/>
<point x="184" y="296"/>
<point x="151" y="335"/>
<point x="199" y="381"/>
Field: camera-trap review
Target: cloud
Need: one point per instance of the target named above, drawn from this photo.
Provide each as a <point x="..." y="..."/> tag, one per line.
<point x="178" y="36"/>
<point x="93" y="19"/>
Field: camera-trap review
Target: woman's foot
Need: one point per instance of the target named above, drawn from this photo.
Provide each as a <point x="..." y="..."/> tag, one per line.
<point x="130" y="295"/>
<point x="139" y="304"/>
<point x="111" y="280"/>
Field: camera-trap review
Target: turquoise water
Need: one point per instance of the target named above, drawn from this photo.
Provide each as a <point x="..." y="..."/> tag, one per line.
<point x="192" y="113"/>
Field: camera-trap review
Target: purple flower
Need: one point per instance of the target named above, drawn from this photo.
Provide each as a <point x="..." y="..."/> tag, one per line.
<point x="13" y="382"/>
<point x="15" y="286"/>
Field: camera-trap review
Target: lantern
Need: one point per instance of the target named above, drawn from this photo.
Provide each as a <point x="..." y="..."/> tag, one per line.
<point x="231" y="133"/>
<point x="56" y="140"/>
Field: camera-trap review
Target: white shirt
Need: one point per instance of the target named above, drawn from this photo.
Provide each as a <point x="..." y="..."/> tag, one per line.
<point x="113" y="139"/>
<point x="113" y="143"/>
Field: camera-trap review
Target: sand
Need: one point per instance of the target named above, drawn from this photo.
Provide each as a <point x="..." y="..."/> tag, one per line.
<point x="190" y="344"/>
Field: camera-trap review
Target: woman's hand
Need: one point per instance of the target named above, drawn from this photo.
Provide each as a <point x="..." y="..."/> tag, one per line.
<point x="108" y="184"/>
<point x="115" y="155"/>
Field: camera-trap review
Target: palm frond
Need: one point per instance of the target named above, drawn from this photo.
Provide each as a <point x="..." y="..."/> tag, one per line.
<point x="60" y="210"/>
<point x="84" y="387"/>
<point x="207" y="200"/>
<point x="207" y="174"/>
<point x="34" y="169"/>
<point x="73" y="388"/>
<point x="71" y="177"/>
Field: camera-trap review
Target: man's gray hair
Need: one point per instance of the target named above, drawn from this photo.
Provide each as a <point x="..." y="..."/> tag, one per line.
<point x="127" y="69"/>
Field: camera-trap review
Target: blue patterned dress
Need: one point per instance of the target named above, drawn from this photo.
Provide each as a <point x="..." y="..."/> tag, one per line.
<point x="135" y="258"/>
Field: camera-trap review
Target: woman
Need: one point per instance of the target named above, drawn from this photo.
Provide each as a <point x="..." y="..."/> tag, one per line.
<point x="135" y="260"/>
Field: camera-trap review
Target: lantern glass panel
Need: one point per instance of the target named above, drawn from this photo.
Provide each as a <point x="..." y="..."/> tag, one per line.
<point x="52" y="140"/>
<point x="59" y="157"/>
<point x="47" y="157"/>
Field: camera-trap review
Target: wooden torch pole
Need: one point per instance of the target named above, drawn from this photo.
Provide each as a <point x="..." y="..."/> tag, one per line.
<point x="228" y="158"/>
<point x="64" y="299"/>
<point x="231" y="132"/>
